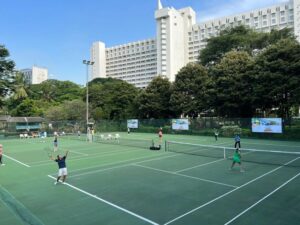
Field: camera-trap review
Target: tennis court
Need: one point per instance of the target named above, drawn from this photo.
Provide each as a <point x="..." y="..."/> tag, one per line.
<point x="122" y="182"/>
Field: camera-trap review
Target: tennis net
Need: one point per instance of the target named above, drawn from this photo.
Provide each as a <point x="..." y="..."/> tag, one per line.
<point x="112" y="139"/>
<point x="248" y="155"/>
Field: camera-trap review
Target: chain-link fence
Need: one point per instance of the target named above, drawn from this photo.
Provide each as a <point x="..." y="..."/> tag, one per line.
<point x="206" y="126"/>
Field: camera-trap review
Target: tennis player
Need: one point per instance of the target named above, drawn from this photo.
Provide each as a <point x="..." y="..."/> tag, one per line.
<point x="237" y="140"/>
<point x="1" y="153"/>
<point x="237" y="159"/>
<point x="62" y="168"/>
<point x="216" y="134"/>
<point x="55" y="143"/>
<point x="160" y="134"/>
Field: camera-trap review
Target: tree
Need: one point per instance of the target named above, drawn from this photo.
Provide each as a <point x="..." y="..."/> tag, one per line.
<point x="6" y="73"/>
<point x="75" y="109"/>
<point x="233" y="77"/>
<point x="154" y="101"/>
<point x="20" y="87"/>
<point x="56" y="91"/>
<point x="111" y="98"/>
<point x="27" y="107"/>
<point x="190" y="95"/>
<point x="56" y="113"/>
<point x="239" y="38"/>
<point x="278" y="77"/>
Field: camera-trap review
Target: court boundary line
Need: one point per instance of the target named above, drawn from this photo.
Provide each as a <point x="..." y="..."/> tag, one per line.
<point x="262" y="199"/>
<point x="90" y="156"/>
<point x="117" y="166"/>
<point x="200" y="165"/>
<point x="229" y="192"/>
<point x="17" y="161"/>
<point x="183" y="175"/>
<point x="108" y="203"/>
<point x="79" y="153"/>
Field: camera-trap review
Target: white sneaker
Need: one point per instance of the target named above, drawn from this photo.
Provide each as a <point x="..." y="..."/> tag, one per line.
<point x="55" y="183"/>
<point x="2" y="164"/>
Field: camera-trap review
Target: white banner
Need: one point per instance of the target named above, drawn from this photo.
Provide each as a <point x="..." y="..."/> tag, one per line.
<point x="132" y="123"/>
<point x="267" y="125"/>
<point x="180" y="124"/>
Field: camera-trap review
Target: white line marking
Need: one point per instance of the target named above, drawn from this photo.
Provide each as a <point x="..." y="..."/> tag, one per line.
<point x="16" y="160"/>
<point x="246" y="210"/>
<point x="229" y="192"/>
<point x="100" y="170"/>
<point x="179" y="171"/>
<point x="107" y="202"/>
<point x="79" y="153"/>
<point x="149" y="158"/>
<point x="91" y="156"/>
<point x="183" y="175"/>
<point x="115" y="167"/>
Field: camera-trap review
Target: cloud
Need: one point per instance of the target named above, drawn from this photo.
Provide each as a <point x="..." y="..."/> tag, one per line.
<point x="228" y="8"/>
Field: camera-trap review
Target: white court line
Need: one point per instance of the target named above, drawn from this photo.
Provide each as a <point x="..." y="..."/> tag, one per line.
<point x="115" y="167"/>
<point x="16" y="160"/>
<point x="227" y="193"/>
<point x="183" y="175"/>
<point x="100" y="170"/>
<point x="107" y="202"/>
<point x="179" y="171"/>
<point x="98" y="155"/>
<point x="251" y="143"/>
<point x="246" y="210"/>
<point x="79" y="153"/>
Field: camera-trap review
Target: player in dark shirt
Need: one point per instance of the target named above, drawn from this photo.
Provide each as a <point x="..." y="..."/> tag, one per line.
<point x="55" y="143"/>
<point x="62" y="168"/>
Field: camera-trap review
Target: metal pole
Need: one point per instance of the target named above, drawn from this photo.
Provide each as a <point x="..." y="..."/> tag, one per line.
<point x="87" y="97"/>
<point x="87" y="63"/>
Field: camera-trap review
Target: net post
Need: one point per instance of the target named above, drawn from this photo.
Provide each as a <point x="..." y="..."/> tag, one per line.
<point x="224" y="152"/>
<point x="165" y="146"/>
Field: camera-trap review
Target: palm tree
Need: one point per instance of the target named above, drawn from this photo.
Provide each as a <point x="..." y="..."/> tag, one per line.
<point x="20" y="87"/>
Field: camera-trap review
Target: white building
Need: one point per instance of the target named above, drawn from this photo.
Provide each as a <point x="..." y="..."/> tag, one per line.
<point x="179" y="38"/>
<point x="35" y="75"/>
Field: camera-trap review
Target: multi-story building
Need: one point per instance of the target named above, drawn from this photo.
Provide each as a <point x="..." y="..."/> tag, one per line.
<point x="179" y="39"/>
<point x="35" y="75"/>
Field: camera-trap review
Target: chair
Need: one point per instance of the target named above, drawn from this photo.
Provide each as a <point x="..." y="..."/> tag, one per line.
<point x="21" y="136"/>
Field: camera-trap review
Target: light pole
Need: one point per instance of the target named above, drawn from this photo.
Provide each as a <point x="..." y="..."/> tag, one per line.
<point x="87" y="63"/>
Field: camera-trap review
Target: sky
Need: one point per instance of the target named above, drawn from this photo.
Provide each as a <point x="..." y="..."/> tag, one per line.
<point x="58" y="34"/>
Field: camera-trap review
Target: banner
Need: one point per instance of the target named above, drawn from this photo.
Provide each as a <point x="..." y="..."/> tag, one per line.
<point x="132" y="123"/>
<point x="180" y="124"/>
<point x="267" y="125"/>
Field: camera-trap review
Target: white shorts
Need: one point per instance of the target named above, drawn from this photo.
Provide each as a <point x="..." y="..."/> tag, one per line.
<point x="62" y="172"/>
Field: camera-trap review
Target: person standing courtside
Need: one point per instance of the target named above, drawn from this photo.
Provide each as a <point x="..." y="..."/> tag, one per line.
<point x="160" y="134"/>
<point x="237" y="140"/>
<point x="55" y="143"/>
<point x="216" y="132"/>
<point x="1" y="155"/>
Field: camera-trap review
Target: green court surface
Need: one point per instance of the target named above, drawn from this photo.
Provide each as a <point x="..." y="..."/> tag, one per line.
<point x="116" y="184"/>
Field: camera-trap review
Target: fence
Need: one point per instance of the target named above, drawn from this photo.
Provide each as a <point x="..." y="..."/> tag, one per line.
<point x="227" y="127"/>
